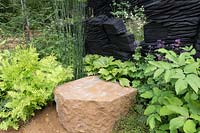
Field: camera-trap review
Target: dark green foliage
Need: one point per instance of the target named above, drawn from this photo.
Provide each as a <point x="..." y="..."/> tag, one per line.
<point x="27" y="84"/>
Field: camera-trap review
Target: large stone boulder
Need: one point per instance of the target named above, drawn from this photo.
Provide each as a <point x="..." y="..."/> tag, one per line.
<point x="91" y="105"/>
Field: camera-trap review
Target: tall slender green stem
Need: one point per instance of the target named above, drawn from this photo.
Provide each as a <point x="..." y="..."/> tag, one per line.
<point x="70" y="15"/>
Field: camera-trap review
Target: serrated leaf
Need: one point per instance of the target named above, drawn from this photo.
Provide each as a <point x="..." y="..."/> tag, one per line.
<point x="147" y="94"/>
<point x="180" y="86"/>
<point x="124" y="82"/>
<point x="189" y="127"/>
<point x="176" y="123"/>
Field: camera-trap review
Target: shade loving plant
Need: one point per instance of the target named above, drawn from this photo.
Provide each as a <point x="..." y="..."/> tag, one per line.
<point x="27" y="84"/>
<point x="174" y="100"/>
<point x="169" y="88"/>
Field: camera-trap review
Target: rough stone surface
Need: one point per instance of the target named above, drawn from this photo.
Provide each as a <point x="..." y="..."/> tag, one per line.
<point x="91" y="105"/>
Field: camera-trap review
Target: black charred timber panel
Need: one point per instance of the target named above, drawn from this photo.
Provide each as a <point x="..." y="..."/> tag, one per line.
<point x="115" y="27"/>
<point x="124" y="42"/>
<point x="168" y="20"/>
<point x="106" y="35"/>
<point x="179" y="19"/>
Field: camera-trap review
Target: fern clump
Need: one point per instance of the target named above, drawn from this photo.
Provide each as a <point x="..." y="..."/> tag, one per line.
<point x="27" y="84"/>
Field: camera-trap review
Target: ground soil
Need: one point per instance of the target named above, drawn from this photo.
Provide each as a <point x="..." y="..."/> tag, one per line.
<point x="45" y="121"/>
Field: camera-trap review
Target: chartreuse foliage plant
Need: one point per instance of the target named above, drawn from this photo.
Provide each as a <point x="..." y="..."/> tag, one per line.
<point x="27" y="84"/>
<point x="169" y="89"/>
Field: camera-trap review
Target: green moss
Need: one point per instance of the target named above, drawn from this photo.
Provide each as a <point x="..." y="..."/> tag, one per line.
<point x="134" y="122"/>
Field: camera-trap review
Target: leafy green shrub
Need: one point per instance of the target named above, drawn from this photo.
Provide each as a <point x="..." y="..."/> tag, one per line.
<point x="169" y="88"/>
<point x="128" y="73"/>
<point x="26" y="84"/>
<point x="174" y="100"/>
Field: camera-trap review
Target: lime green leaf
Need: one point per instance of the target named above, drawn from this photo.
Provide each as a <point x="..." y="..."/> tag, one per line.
<point x="180" y="86"/>
<point x="158" y="73"/>
<point x="178" y="74"/>
<point x="176" y="123"/>
<point x="147" y="94"/>
<point x="161" y="64"/>
<point x="103" y="72"/>
<point x="150" y="109"/>
<point x="150" y="68"/>
<point x="194" y="81"/>
<point x="152" y="121"/>
<point x="195" y="117"/>
<point x="156" y="91"/>
<point x="168" y="75"/>
<point x="174" y="101"/>
<point x="124" y="81"/>
<point x="165" y="111"/>
<point x="191" y="68"/>
<point x="179" y="110"/>
<point x="189" y="126"/>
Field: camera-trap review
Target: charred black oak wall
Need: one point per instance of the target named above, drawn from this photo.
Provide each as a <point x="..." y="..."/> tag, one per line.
<point x="168" y="20"/>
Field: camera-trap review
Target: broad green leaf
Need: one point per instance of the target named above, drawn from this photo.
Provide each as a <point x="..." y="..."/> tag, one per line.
<point x="150" y="68"/>
<point x="180" y="86"/>
<point x="176" y="123"/>
<point x="191" y="68"/>
<point x="194" y="82"/>
<point x="178" y="74"/>
<point x="189" y="126"/>
<point x="181" y="59"/>
<point x="161" y="64"/>
<point x="179" y="110"/>
<point x="151" y="121"/>
<point x="157" y="91"/>
<point x="165" y="111"/>
<point x="172" y="57"/>
<point x="172" y="100"/>
<point x="124" y="82"/>
<point x="150" y="109"/>
<point x="168" y="75"/>
<point x="158" y="73"/>
<point x="195" y="117"/>
<point x="102" y="62"/>
<point x="103" y="72"/>
<point x="147" y="94"/>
